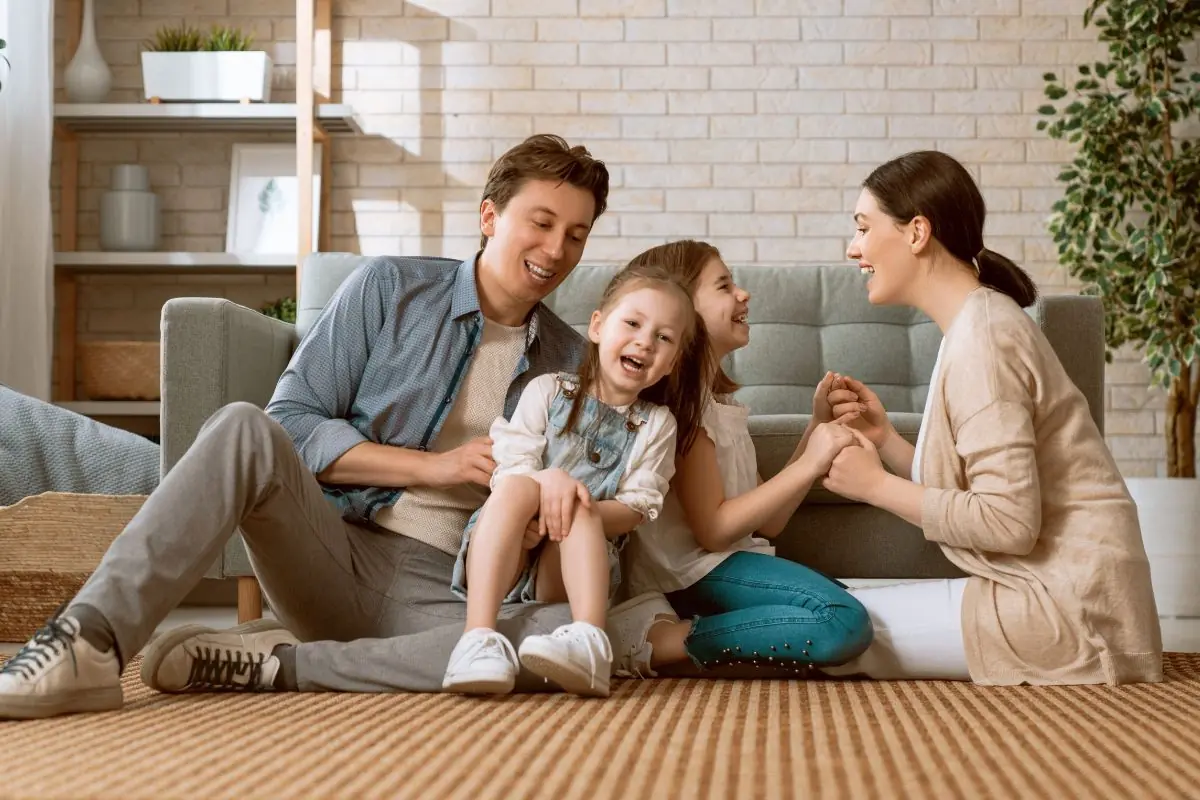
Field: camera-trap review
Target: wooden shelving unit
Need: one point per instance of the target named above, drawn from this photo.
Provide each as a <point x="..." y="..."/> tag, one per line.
<point x="312" y="118"/>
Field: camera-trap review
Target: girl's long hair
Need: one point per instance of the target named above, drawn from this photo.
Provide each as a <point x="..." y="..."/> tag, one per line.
<point x="686" y="388"/>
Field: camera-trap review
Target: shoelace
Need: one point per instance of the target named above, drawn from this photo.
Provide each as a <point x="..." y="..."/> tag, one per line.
<point x="494" y="645"/>
<point x="633" y="662"/>
<point x="589" y="633"/>
<point x="219" y="669"/>
<point x="42" y="649"/>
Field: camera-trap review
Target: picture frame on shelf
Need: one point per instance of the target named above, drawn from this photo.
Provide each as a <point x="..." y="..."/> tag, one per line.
<point x="263" y="198"/>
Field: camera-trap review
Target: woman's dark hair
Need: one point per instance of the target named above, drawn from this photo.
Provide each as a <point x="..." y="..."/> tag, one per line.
<point x="685" y="389"/>
<point x="933" y="185"/>
<point x="685" y="260"/>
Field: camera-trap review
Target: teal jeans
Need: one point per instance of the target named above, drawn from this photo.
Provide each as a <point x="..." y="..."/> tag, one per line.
<point x="761" y="609"/>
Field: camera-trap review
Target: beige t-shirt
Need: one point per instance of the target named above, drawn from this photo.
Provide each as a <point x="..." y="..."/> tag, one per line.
<point x="438" y="516"/>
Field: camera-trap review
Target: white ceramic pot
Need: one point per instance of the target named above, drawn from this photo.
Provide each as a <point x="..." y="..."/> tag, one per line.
<point x="232" y="76"/>
<point x="1169" y="513"/>
<point x="129" y="213"/>
<point x="87" y="78"/>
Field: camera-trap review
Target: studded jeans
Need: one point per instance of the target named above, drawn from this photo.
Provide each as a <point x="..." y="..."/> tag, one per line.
<point x="761" y="609"/>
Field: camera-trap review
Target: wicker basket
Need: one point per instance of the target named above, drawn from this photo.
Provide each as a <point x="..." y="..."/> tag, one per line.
<point x="120" y="370"/>
<point x="49" y="544"/>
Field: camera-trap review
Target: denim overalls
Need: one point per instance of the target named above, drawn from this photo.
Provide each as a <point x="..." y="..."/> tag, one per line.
<point x="595" y="453"/>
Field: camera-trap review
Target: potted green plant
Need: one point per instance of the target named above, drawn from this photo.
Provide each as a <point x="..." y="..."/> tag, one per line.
<point x="1128" y="227"/>
<point x="182" y="63"/>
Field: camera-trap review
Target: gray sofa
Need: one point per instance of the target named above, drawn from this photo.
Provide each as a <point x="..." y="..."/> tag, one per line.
<point x="804" y="320"/>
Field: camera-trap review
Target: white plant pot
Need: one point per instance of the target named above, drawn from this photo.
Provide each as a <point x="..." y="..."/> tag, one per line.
<point x="1169" y="514"/>
<point x="231" y="76"/>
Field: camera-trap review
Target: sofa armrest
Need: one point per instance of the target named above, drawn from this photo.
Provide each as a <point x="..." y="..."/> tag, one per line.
<point x="1074" y="324"/>
<point x="214" y="352"/>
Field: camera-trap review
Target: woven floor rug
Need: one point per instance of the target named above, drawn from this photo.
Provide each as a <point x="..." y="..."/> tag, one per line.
<point x="659" y="739"/>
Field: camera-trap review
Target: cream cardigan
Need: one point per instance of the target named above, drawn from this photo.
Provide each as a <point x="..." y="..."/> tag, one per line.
<point x="1023" y="495"/>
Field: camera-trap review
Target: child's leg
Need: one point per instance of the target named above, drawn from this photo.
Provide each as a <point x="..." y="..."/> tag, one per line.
<point x="494" y="558"/>
<point x="581" y="574"/>
<point x="578" y="657"/>
<point x="763" y="609"/>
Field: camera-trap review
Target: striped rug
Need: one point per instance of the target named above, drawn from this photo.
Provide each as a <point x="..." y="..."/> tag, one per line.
<point x="659" y="739"/>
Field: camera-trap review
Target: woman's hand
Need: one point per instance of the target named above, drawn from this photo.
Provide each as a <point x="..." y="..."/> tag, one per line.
<point x="822" y="409"/>
<point x="856" y="472"/>
<point x="533" y="534"/>
<point x="860" y="408"/>
<point x="559" y="494"/>
<point x="827" y="440"/>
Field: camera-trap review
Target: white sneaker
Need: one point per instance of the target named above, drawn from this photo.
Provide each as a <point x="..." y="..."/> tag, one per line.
<point x="59" y="672"/>
<point x="483" y="662"/>
<point x="628" y="629"/>
<point x="195" y="658"/>
<point x="578" y="657"/>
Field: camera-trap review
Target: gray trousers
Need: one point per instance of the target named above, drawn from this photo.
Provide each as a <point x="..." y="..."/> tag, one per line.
<point x="373" y="609"/>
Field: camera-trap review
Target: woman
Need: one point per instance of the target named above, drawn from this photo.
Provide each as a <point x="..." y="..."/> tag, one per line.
<point x="708" y="551"/>
<point x="1010" y="474"/>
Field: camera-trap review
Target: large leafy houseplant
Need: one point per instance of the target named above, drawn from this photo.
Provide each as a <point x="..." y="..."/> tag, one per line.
<point x="1128" y="225"/>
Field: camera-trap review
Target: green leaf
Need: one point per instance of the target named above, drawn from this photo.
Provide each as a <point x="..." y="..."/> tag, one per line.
<point x="1084" y="69"/>
<point x="1047" y="110"/>
<point x="1046" y="76"/>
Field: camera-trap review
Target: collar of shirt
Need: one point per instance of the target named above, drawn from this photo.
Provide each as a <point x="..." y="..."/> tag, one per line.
<point x="466" y="298"/>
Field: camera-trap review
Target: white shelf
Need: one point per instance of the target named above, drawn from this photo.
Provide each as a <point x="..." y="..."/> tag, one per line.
<point x="114" y="408"/>
<point x="199" y="263"/>
<point x="197" y="117"/>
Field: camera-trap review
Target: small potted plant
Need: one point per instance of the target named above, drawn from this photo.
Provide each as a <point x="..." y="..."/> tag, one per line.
<point x="4" y="58"/>
<point x="185" y="64"/>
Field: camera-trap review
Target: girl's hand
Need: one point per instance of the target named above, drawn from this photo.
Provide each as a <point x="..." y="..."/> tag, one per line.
<point x="560" y="492"/>
<point x="533" y="534"/>
<point x="860" y="408"/>
<point x="827" y="440"/>
<point x="856" y="472"/>
<point x="822" y="408"/>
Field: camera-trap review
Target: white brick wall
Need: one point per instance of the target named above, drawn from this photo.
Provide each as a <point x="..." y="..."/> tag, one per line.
<point x="748" y="123"/>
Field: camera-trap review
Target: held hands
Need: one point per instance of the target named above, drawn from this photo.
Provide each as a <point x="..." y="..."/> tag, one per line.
<point x="560" y="492"/>
<point x="852" y="403"/>
<point x="826" y="441"/>
<point x="470" y="462"/>
<point x="856" y="472"/>
<point x="822" y="407"/>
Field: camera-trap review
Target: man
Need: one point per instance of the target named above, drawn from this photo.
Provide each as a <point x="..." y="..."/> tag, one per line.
<point x="386" y="403"/>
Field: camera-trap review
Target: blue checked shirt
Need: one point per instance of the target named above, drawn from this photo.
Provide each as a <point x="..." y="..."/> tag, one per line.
<point x="385" y="360"/>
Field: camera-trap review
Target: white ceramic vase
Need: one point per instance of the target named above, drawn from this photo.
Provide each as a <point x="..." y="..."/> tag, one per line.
<point x="1169" y="513"/>
<point x="87" y="78"/>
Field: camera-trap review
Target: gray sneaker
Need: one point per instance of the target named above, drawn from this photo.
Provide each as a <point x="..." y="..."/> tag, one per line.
<point x="628" y="628"/>
<point x="195" y="658"/>
<point x="59" y="672"/>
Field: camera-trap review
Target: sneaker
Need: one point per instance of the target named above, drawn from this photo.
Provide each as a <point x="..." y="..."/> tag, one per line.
<point x="59" y="672"/>
<point x="578" y="657"/>
<point x="628" y="629"/>
<point x="194" y="658"/>
<point x="483" y="662"/>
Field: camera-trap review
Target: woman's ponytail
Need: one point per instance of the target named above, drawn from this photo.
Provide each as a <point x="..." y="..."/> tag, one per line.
<point x="1001" y="274"/>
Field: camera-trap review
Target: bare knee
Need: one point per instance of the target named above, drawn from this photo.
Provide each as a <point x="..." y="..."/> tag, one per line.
<point x="520" y="493"/>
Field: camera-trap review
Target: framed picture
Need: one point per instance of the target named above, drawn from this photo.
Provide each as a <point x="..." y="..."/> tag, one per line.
<point x="264" y="199"/>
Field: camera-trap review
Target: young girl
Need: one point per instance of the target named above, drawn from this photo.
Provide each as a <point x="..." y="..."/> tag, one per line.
<point x="585" y="459"/>
<point x="740" y="603"/>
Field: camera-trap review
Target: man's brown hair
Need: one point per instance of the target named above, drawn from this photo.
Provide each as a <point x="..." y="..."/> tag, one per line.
<point x="545" y="157"/>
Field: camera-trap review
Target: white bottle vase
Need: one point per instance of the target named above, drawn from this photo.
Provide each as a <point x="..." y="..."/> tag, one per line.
<point x="87" y="78"/>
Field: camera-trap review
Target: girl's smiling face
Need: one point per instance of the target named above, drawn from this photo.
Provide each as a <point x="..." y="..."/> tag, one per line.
<point x="724" y="306"/>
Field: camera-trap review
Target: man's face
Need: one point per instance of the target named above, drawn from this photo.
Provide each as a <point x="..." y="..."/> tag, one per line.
<point x="536" y="241"/>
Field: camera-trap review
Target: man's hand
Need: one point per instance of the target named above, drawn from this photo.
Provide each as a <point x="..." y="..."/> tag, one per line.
<point x="560" y="492"/>
<point x="470" y="462"/>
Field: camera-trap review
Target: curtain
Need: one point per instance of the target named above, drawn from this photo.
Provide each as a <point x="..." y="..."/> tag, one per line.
<point x="26" y="243"/>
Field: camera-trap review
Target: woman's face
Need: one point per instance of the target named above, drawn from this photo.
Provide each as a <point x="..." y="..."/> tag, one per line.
<point x="724" y="307"/>
<point x="884" y="250"/>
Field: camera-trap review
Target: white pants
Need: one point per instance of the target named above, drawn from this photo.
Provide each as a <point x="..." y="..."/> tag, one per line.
<point x="918" y="633"/>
